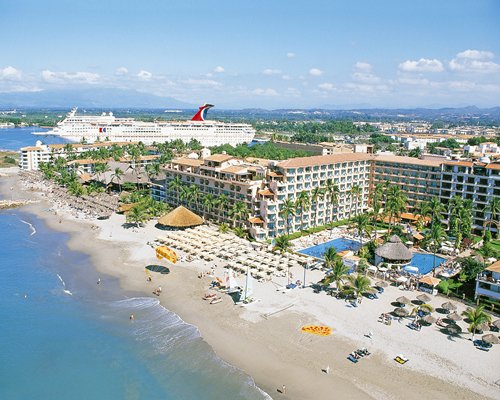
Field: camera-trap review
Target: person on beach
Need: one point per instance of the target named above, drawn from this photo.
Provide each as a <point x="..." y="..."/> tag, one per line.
<point x="132" y="317"/>
<point x="98" y="281"/>
<point x="283" y="389"/>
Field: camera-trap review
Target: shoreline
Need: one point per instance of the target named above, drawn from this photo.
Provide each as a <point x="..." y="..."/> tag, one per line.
<point x="272" y="351"/>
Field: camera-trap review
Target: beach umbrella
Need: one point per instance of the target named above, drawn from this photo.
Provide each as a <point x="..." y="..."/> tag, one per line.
<point x="429" y="319"/>
<point x="483" y="327"/>
<point x="401" y="312"/>
<point x="453" y="329"/>
<point x="492" y="339"/>
<point x="423" y="298"/>
<point x="454" y="316"/>
<point x="448" y="306"/>
<point x="382" y="284"/>
<point x="403" y="300"/>
<point x="496" y="323"/>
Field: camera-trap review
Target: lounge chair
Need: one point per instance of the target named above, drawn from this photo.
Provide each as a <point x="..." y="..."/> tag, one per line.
<point x="352" y="358"/>
<point x="401" y="360"/>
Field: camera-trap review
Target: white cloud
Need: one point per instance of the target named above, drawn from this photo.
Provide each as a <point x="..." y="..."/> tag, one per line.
<point x="476" y="54"/>
<point x="219" y="69"/>
<point x="265" y="92"/>
<point x="413" y="80"/>
<point x="363" y="66"/>
<point x="326" y="86"/>
<point x="315" y="72"/>
<point x="200" y="82"/>
<point x="290" y="55"/>
<point x="63" y="77"/>
<point x="286" y="77"/>
<point x="121" y="71"/>
<point x="10" y="73"/>
<point x="365" y="77"/>
<point x="422" y="65"/>
<point x="144" y="75"/>
<point x="270" y="71"/>
<point x="474" y="61"/>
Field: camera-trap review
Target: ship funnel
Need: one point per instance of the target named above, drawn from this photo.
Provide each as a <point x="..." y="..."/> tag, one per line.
<point x="202" y="112"/>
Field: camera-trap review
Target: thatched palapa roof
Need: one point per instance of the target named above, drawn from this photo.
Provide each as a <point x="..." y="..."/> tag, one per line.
<point x="394" y="250"/>
<point x="181" y="217"/>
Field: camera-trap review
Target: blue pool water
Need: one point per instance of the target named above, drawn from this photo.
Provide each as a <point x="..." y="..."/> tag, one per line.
<point x="339" y="244"/>
<point x="425" y="262"/>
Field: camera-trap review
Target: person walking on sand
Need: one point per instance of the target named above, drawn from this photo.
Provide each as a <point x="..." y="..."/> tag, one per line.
<point x="283" y="389"/>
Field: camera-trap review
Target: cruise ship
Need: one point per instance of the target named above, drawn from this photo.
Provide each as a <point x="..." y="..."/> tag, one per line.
<point x="110" y="128"/>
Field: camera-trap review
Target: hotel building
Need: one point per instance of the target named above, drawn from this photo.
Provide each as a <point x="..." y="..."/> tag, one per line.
<point x="265" y="187"/>
<point x="32" y="156"/>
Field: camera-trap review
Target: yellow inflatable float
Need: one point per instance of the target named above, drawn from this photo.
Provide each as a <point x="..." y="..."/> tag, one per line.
<point x="167" y="253"/>
<point x="317" y="330"/>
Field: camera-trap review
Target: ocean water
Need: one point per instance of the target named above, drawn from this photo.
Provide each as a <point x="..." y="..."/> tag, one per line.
<point x="14" y="138"/>
<point x="62" y="336"/>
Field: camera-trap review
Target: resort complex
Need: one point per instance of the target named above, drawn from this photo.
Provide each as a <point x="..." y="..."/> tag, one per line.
<point x="398" y="238"/>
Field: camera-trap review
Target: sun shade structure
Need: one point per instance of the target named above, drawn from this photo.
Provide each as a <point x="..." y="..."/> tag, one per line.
<point x="429" y="280"/>
<point x="448" y="306"/>
<point x="423" y="298"/>
<point x="429" y="319"/>
<point x="124" y="208"/>
<point x="454" y="316"/>
<point x="401" y="312"/>
<point x="403" y="300"/>
<point x="492" y="339"/>
<point x="181" y="217"/>
<point x="394" y="250"/>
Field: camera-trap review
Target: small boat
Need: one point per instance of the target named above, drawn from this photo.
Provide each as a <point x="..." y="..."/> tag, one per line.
<point x="216" y="300"/>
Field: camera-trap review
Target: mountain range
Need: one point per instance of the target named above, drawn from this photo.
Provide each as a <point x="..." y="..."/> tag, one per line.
<point x="89" y="97"/>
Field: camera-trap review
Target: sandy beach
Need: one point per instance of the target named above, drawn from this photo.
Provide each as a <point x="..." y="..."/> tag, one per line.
<point x="273" y="350"/>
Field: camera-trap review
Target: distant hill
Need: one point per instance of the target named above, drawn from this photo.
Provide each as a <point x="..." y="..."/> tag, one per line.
<point x="91" y="98"/>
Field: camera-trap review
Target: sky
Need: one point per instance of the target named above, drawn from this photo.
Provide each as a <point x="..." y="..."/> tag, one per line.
<point x="259" y="53"/>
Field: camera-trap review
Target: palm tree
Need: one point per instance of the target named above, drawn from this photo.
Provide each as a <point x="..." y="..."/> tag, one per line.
<point x="436" y="236"/>
<point x="175" y="185"/>
<point x="332" y="192"/>
<point x="100" y="168"/>
<point x="240" y="232"/>
<point x="355" y="192"/>
<point x="359" y="284"/>
<point x="316" y="194"/>
<point x="376" y="198"/>
<point x="152" y="170"/>
<point x="192" y="196"/>
<point x="330" y="256"/>
<point x="137" y="215"/>
<point x="476" y="317"/>
<point x="209" y="202"/>
<point x="222" y="202"/>
<point x="117" y="174"/>
<point x="282" y="243"/>
<point x="433" y="209"/>
<point x="239" y="211"/>
<point x="302" y="203"/>
<point x="493" y="207"/>
<point x="337" y="275"/>
<point x="223" y="228"/>
<point x="362" y="224"/>
<point x="395" y="203"/>
<point x="288" y="210"/>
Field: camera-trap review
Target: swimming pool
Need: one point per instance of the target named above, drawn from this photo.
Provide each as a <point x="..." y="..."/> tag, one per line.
<point x="340" y="244"/>
<point x="424" y="262"/>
